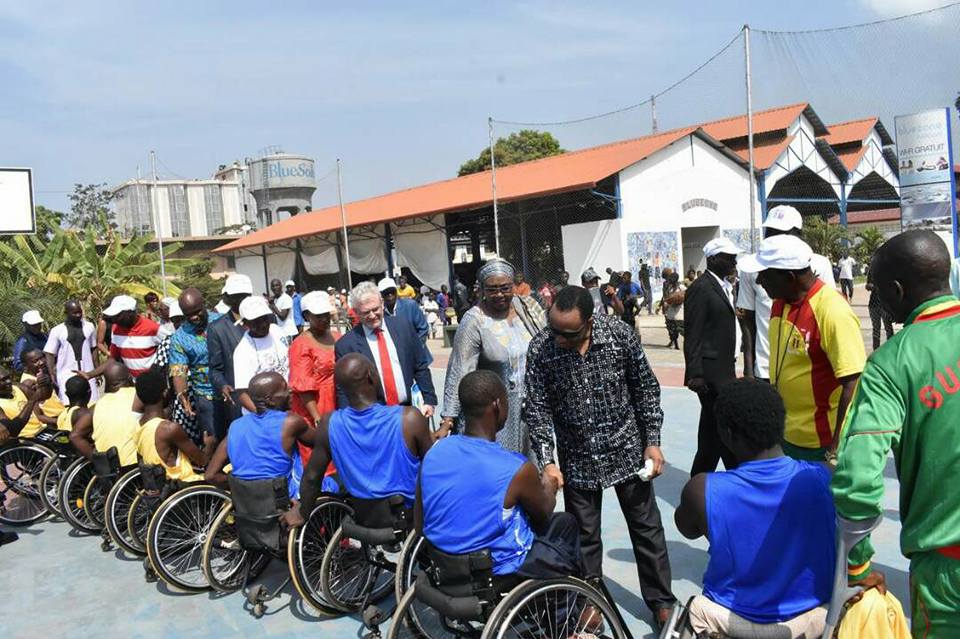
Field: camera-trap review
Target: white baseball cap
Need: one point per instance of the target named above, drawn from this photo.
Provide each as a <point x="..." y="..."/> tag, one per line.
<point x="237" y="284"/>
<point x="174" y="307"/>
<point x="290" y="283"/>
<point x="786" y="252"/>
<point x="253" y="307"/>
<point x="386" y="284"/>
<point x="221" y="307"/>
<point x="119" y="304"/>
<point x="720" y="245"/>
<point x="316" y="303"/>
<point x="32" y="317"/>
<point x="168" y="301"/>
<point x="783" y="218"/>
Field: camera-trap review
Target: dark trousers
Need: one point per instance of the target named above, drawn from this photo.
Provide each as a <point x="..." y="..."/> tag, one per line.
<point x="846" y="287"/>
<point x="876" y="317"/>
<point x="555" y="553"/>
<point x="710" y="450"/>
<point x="639" y="508"/>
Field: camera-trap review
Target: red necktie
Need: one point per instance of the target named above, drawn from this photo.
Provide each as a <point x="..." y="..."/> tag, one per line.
<point x="386" y="370"/>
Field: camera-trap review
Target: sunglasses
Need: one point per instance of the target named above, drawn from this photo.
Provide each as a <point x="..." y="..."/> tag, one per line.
<point x="568" y="335"/>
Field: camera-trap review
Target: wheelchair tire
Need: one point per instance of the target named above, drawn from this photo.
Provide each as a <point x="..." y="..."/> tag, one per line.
<point x="138" y="521"/>
<point x="119" y="500"/>
<point x="348" y="575"/>
<point x="21" y="465"/>
<point x="414" y="620"/>
<point x="224" y="561"/>
<point x="409" y="564"/>
<point x="553" y="608"/>
<point x="72" y="487"/>
<point x="95" y="499"/>
<point x="177" y="533"/>
<point x="306" y="546"/>
<point x="50" y="478"/>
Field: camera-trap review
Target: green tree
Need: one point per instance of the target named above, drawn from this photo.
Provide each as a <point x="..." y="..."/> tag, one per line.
<point x="825" y="238"/>
<point x="89" y="205"/>
<point x="197" y="275"/>
<point x="522" y="146"/>
<point x="867" y="242"/>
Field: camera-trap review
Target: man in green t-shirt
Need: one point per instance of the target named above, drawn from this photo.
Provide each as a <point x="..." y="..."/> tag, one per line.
<point x="907" y="400"/>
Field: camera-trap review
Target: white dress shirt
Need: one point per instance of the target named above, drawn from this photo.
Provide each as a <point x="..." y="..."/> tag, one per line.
<point x="403" y="392"/>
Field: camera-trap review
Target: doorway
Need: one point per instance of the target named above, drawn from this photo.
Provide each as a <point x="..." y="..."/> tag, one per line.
<point x="692" y="240"/>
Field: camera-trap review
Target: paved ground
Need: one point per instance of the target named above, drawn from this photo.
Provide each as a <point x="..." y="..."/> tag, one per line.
<point x="61" y="584"/>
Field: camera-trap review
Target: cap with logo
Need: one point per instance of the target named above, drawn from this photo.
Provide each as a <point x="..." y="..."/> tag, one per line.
<point x="238" y="284"/>
<point x="254" y="307"/>
<point x="32" y="318"/>
<point x="589" y="275"/>
<point x="119" y="304"/>
<point x="784" y="252"/>
<point x="783" y="218"/>
<point x="720" y="245"/>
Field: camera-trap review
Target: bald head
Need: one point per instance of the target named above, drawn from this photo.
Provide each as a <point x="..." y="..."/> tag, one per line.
<point x="269" y="391"/>
<point x="358" y="378"/>
<point x="115" y="376"/>
<point x="910" y="269"/>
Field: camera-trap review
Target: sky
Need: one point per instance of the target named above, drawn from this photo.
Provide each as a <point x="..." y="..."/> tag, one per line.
<point x="400" y="91"/>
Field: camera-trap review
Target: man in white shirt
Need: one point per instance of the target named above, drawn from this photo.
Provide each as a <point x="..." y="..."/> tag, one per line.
<point x="70" y="348"/>
<point x="166" y="326"/>
<point x="846" y="265"/>
<point x="754" y="302"/>
<point x="281" y="305"/>
<point x="263" y="348"/>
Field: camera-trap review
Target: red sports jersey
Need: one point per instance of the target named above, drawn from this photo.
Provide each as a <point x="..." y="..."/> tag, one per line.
<point x="136" y="346"/>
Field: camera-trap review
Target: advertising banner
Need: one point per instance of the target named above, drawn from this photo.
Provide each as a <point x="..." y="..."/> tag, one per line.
<point x="928" y="190"/>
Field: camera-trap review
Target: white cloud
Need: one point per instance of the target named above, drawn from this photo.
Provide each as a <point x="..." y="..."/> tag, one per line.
<point x="893" y="8"/>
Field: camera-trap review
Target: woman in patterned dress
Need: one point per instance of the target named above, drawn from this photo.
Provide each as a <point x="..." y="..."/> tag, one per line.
<point x="493" y="335"/>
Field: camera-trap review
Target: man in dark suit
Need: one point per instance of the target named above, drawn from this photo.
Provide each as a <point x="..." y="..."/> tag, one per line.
<point x="393" y="345"/>
<point x="223" y="335"/>
<point x="710" y="347"/>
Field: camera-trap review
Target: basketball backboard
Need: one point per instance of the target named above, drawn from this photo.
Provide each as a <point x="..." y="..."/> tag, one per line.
<point x="16" y="202"/>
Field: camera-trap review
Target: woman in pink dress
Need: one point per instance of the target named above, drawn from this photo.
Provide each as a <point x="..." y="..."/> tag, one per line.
<point x="312" y="363"/>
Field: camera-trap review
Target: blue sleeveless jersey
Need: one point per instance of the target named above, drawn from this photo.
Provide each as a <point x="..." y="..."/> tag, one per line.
<point x="772" y="528"/>
<point x="463" y="484"/>
<point x="370" y="454"/>
<point x="255" y="449"/>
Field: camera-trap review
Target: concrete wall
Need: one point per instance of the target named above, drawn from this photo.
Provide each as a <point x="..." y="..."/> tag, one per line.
<point x="196" y="208"/>
<point x="598" y="244"/>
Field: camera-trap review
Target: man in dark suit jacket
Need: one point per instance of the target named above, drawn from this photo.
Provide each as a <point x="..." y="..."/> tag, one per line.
<point x="710" y="347"/>
<point x="408" y="357"/>
<point x="223" y="335"/>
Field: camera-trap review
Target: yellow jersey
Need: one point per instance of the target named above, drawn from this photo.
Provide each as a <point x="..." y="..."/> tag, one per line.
<point x="65" y="419"/>
<point x="115" y="424"/>
<point x="11" y="407"/>
<point x="52" y="406"/>
<point x="812" y="345"/>
<point x="147" y="447"/>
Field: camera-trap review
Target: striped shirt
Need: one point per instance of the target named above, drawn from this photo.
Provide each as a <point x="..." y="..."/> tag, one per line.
<point x="136" y="346"/>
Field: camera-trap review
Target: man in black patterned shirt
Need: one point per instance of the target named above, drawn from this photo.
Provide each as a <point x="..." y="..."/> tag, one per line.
<point x="588" y="383"/>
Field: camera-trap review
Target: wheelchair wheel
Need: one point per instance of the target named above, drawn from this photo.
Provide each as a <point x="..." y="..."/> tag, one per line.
<point x="305" y="549"/>
<point x="352" y="571"/>
<point x="415" y="620"/>
<point x="225" y="563"/>
<point x="50" y="478"/>
<point x="410" y="564"/>
<point x="95" y="499"/>
<point x="72" y="486"/>
<point x="138" y="520"/>
<point x="177" y="533"/>
<point x="21" y="465"/>
<point x="553" y="608"/>
<point x="117" y="509"/>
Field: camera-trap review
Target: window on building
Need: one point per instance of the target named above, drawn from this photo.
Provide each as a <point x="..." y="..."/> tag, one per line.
<point x="142" y="209"/>
<point x="179" y="215"/>
<point x="213" y="205"/>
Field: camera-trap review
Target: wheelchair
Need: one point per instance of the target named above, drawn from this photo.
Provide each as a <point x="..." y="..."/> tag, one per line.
<point x="154" y="488"/>
<point x="53" y="470"/>
<point x="361" y="564"/>
<point x="108" y="495"/>
<point x="177" y="532"/>
<point x="247" y="535"/>
<point x="459" y="596"/>
<point x="21" y="466"/>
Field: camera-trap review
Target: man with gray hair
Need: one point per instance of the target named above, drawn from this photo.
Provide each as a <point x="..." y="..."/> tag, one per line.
<point x="392" y="344"/>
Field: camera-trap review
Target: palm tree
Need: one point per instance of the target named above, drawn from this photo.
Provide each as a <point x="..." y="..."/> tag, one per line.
<point x="867" y="242"/>
<point x="825" y="238"/>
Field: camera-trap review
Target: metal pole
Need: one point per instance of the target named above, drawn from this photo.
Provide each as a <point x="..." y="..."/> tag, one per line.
<point x="156" y="217"/>
<point x="753" y="207"/>
<point x="343" y="222"/>
<point x="653" y="111"/>
<point x="493" y="184"/>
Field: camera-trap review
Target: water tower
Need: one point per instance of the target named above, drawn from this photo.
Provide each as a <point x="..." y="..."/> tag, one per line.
<point x="282" y="185"/>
